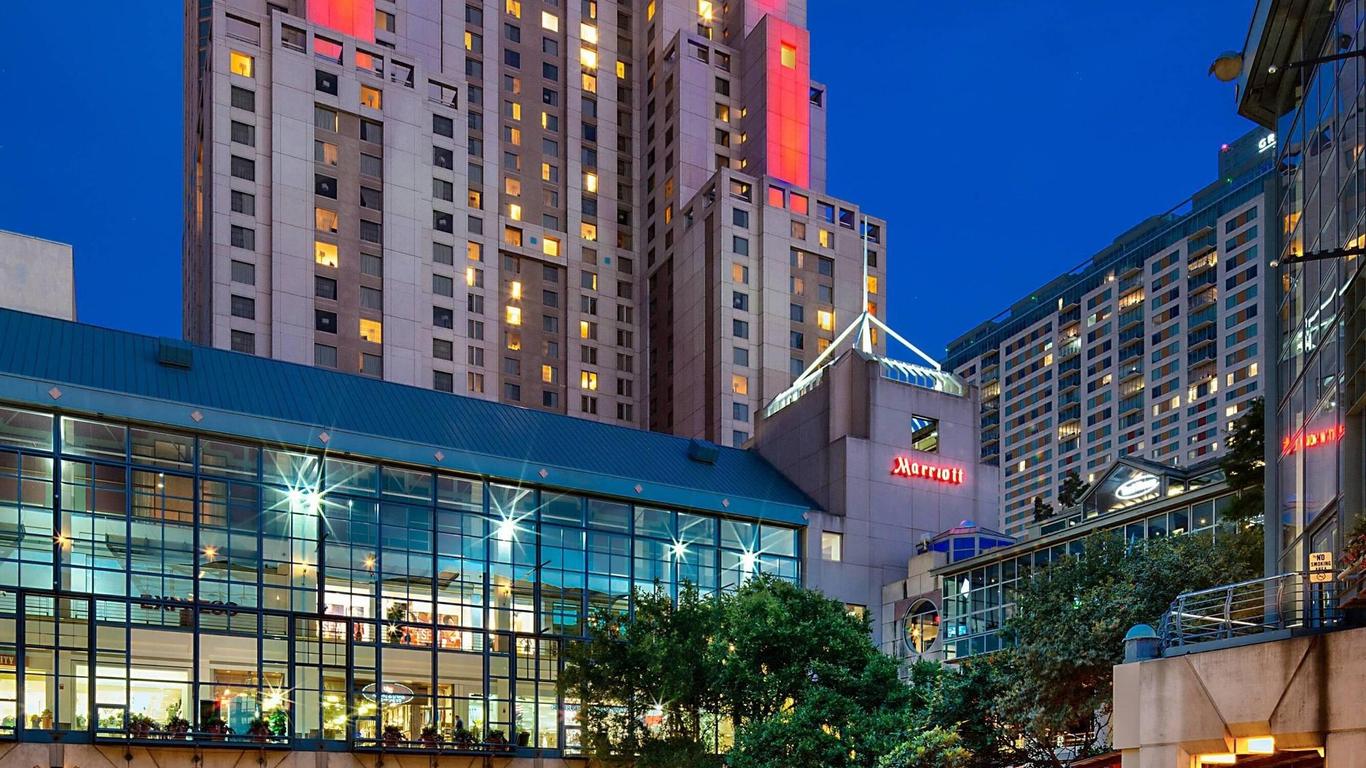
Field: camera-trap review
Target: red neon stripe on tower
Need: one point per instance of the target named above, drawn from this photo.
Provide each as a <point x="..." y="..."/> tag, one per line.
<point x="789" y="102"/>
<point x="349" y="17"/>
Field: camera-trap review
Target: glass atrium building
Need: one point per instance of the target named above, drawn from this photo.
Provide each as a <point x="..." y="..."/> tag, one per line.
<point x="197" y="545"/>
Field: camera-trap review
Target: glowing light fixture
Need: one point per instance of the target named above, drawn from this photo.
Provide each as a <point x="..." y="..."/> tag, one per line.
<point x="1220" y="758"/>
<point x="210" y="552"/>
<point x="747" y="561"/>
<point x="680" y="550"/>
<point x="1257" y="745"/>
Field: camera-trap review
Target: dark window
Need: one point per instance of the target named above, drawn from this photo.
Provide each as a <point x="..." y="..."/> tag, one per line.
<point x="242" y="272"/>
<point x="443" y="126"/>
<point x="243" y="99"/>
<point x="371" y="232"/>
<point x="244" y="342"/>
<point x="325" y="321"/>
<point x="442" y="381"/>
<point x="243" y="133"/>
<point x="326" y="186"/>
<point x="372" y="199"/>
<point x="371" y="131"/>
<point x="443" y="221"/>
<point x="243" y="168"/>
<point x="243" y="238"/>
<point x="443" y="317"/>
<point x="324" y="287"/>
<point x="325" y="355"/>
<point x="443" y="158"/>
<point x="325" y="82"/>
<point x="243" y="203"/>
<point x="244" y="307"/>
<point x="739" y="301"/>
<point x="442" y="349"/>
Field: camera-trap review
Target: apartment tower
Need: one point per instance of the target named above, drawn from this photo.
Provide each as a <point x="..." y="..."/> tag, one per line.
<point x="1149" y="349"/>
<point x="610" y="210"/>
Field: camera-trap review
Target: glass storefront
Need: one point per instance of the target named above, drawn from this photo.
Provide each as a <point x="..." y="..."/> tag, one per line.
<point x="977" y="601"/>
<point x="160" y="584"/>
<point x="1323" y="176"/>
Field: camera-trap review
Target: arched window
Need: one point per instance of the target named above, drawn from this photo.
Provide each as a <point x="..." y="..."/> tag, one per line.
<point x="921" y="627"/>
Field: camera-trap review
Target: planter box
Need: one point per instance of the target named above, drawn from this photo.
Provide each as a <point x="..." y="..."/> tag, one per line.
<point x="1352" y="587"/>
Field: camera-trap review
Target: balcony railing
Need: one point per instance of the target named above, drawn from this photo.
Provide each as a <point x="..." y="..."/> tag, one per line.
<point x="1248" y="610"/>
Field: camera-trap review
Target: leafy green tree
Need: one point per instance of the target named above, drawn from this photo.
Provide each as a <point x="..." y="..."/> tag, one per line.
<point x="934" y="747"/>
<point x="1069" y="626"/>
<point x="646" y="685"/>
<point x="1244" y="461"/>
<point x="965" y="698"/>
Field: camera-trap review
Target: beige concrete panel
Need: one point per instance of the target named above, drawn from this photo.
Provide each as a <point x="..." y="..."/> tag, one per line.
<point x="1345" y="749"/>
<point x="1178" y="708"/>
<point x="1247" y="701"/>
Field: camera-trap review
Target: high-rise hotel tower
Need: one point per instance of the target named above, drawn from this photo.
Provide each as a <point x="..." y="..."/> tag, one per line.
<point x="614" y="210"/>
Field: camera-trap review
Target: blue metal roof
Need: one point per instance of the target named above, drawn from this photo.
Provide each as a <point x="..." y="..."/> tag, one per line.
<point x="117" y="374"/>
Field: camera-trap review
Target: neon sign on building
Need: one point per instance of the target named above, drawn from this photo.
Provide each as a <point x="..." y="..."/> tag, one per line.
<point x="1315" y="439"/>
<point x="903" y="466"/>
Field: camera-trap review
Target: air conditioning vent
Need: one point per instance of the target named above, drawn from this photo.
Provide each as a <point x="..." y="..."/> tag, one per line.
<point x="703" y="452"/>
<point x="175" y="354"/>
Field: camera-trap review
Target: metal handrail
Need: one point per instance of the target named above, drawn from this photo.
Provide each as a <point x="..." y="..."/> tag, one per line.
<point x="1287" y="601"/>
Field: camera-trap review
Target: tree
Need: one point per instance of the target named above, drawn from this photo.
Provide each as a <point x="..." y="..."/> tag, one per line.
<point x="797" y="677"/>
<point x="1244" y="461"/>
<point x="934" y="747"/>
<point x="1069" y="625"/>
<point x="1071" y="489"/>
<point x="646" y="684"/>
<point x="1042" y="511"/>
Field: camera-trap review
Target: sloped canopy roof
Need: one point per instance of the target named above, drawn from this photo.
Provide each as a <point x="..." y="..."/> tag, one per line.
<point x="125" y="375"/>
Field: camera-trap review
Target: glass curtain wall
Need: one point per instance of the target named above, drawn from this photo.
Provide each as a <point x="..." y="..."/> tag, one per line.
<point x="170" y="586"/>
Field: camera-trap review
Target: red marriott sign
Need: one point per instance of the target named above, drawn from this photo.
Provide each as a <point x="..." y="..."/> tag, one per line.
<point x="902" y="466"/>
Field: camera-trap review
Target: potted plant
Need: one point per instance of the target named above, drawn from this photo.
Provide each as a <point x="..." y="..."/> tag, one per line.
<point x="176" y="726"/>
<point x="523" y="736"/>
<point x="47" y="719"/>
<point x="1354" y="549"/>
<point x="34" y="721"/>
<point x="278" y="720"/>
<point x="259" y="730"/>
<point x="215" y="727"/>
<point x="140" y="726"/>
<point x="430" y="737"/>
<point x="392" y="735"/>
<point x="462" y="738"/>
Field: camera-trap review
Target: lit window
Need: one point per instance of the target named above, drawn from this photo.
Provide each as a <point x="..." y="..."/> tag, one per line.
<point x="789" y="55"/>
<point x="550" y="246"/>
<point x="469" y="40"/>
<point x="515" y="111"/>
<point x="588" y="380"/>
<point x="590" y="182"/>
<point x="371" y="331"/>
<point x="825" y="319"/>
<point x="548" y="374"/>
<point x="514" y="136"/>
<point x="514" y="315"/>
<point x="585" y="329"/>
<point x="370" y="97"/>
<point x="514" y="212"/>
<point x="512" y="236"/>
<point x="872" y="283"/>
<point x="325" y="254"/>
<point x="241" y="64"/>
<point x="827" y="238"/>
<point x="514" y="340"/>
<point x="470" y="276"/>
<point x="325" y="220"/>
<point x="590" y="82"/>
<point x="515" y="288"/>
<point x="514" y="8"/>
<point x="739" y="384"/>
<point x="589" y="33"/>
<point x="550" y="21"/>
<point x="588" y="231"/>
<point x="705" y="10"/>
<point x="832" y="546"/>
<point x="775" y="197"/>
<point x="650" y="11"/>
<point x="621" y="70"/>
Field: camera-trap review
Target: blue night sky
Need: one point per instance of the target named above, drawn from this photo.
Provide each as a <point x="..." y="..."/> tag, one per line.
<point x="1020" y="136"/>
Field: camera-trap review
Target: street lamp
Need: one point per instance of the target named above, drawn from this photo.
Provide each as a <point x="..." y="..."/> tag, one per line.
<point x="1229" y="64"/>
